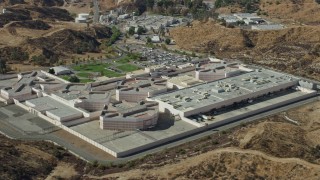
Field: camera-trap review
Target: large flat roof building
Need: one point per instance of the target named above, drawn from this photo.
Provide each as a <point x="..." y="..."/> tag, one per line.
<point x="180" y="82"/>
<point x="139" y="88"/>
<point x="123" y="116"/>
<point x="217" y="94"/>
<point x="213" y="71"/>
<point x="129" y="116"/>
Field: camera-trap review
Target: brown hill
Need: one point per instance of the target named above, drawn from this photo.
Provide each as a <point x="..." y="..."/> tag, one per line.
<point x="286" y="49"/>
<point x="57" y="42"/>
<point x="30" y="160"/>
<point x="292" y="11"/>
<point x="229" y="163"/>
<point x="65" y="41"/>
<point x="26" y="12"/>
<point x="30" y="24"/>
<point x="292" y="140"/>
<point x="33" y="2"/>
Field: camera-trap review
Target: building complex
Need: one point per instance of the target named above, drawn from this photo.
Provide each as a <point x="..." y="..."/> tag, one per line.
<point x="128" y="114"/>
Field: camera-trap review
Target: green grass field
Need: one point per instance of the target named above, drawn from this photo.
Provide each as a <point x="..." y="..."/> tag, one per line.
<point x="86" y="80"/>
<point x="123" y="60"/>
<point x="91" y="67"/>
<point x="83" y="74"/>
<point x="65" y="77"/>
<point x="85" y="69"/>
<point x="127" y="67"/>
<point x="109" y="73"/>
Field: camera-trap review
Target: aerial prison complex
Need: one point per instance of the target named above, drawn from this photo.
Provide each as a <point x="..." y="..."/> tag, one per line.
<point x="122" y="115"/>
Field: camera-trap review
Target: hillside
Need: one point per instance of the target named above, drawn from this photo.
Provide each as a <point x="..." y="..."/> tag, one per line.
<point x="31" y="160"/>
<point x="285" y="50"/>
<point x="30" y="24"/>
<point x="229" y="163"/>
<point x="26" y="12"/>
<point x="32" y="2"/>
<point x="49" y="45"/>
<point x="284" y="11"/>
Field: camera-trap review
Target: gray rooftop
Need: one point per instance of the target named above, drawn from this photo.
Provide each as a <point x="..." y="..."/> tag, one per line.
<point x="218" y="91"/>
<point x="58" y="109"/>
<point x="268" y="27"/>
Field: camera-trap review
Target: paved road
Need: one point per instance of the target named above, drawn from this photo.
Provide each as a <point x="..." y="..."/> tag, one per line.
<point x="12" y="132"/>
<point x="96" y="11"/>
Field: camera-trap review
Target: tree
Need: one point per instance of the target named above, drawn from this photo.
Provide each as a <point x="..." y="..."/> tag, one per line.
<point x="39" y="60"/>
<point x="141" y="5"/>
<point x="141" y="30"/>
<point x="51" y="71"/>
<point x="115" y="35"/>
<point x="3" y="66"/>
<point x="149" y="40"/>
<point x="74" y="79"/>
<point x="150" y="4"/>
<point x="131" y="30"/>
<point x="240" y="23"/>
<point x="167" y="41"/>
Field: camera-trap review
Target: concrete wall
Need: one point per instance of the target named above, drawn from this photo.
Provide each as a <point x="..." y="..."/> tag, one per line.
<point x="54" y="77"/>
<point x="8" y="76"/>
<point x="131" y="95"/>
<point x="64" y="118"/>
<point x="162" y="141"/>
<point x="129" y="123"/>
<point x="269" y="107"/>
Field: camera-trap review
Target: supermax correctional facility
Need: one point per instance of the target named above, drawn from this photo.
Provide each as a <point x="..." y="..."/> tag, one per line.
<point x="124" y="115"/>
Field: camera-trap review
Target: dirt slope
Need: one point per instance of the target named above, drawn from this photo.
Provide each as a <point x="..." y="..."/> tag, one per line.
<point x="262" y="137"/>
<point x="30" y="160"/>
<point x="30" y="24"/>
<point x="60" y="41"/>
<point x="229" y="163"/>
<point x="32" y="2"/>
<point x="26" y="12"/>
<point x="292" y="11"/>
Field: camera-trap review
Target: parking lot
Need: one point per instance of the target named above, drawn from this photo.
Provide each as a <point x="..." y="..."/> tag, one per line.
<point x="156" y="56"/>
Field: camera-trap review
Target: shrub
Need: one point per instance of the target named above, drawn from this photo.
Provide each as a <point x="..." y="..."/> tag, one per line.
<point x="74" y="79"/>
<point x="167" y="41"/>
<point x="131" y="31"/>
<point x="51" y="71"/>
<point x="95" y="163"/>
<point x="141" y="30"/>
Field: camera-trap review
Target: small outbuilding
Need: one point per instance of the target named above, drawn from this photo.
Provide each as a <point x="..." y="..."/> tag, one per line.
<point x="155" y="39"/>
<point x="60" y="70"/>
